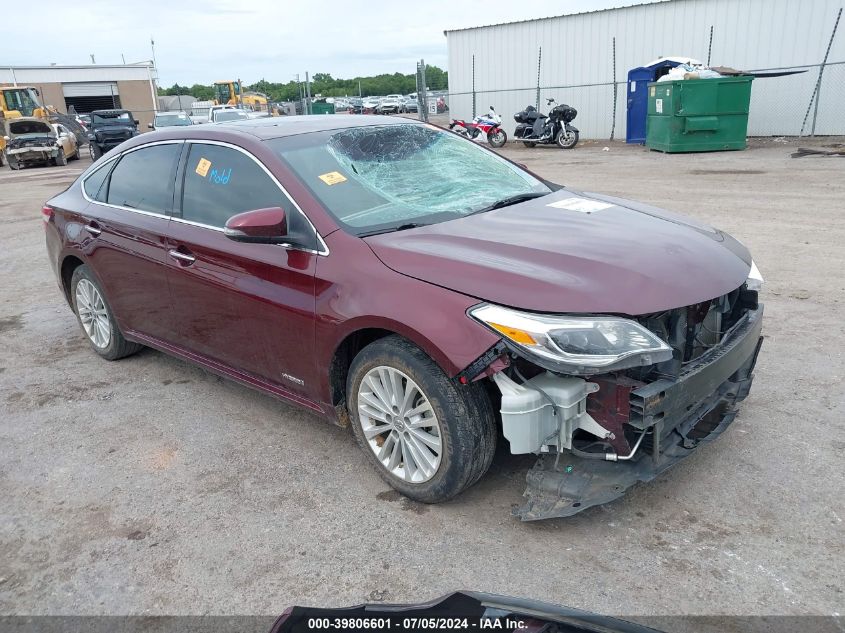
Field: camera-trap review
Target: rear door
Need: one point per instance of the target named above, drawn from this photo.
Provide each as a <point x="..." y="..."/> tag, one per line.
<point x="247" y="306"/>
<point x="127" y="222"/>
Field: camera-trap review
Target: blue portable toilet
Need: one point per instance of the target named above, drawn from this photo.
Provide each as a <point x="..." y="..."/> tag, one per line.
<point x="637" y="102"/>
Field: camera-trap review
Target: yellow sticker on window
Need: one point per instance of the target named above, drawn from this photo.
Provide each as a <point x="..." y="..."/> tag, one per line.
<point x="203" y="166"/>
<point x="333" y="178"/>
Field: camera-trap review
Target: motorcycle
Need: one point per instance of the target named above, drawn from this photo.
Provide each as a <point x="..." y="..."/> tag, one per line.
<point x="489" y="125"/>
<point x="535" y="127"/>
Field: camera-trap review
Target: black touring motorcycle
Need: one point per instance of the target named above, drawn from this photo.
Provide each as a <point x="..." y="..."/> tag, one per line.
<point x="535" y="127"/>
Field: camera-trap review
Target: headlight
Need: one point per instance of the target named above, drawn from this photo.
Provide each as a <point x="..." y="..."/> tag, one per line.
<point x="755" y="279"/>
<point x="574" y="344"/>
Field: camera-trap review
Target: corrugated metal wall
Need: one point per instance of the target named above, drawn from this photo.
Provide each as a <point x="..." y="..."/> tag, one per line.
<point x="577" y="55"/>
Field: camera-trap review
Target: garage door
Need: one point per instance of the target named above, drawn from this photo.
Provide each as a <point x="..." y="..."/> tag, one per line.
<point x="85" y="97"/>
<point x="90" y="89"/>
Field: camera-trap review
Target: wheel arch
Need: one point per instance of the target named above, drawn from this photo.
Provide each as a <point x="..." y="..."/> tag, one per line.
<point x="359" y="336"/>
<point x="69" y="264"/>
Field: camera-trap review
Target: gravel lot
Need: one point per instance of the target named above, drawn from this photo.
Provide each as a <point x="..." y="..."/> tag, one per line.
<point x="148" y="486"/>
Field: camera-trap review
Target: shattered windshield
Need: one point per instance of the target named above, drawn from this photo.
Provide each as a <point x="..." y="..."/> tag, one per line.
<point x="383" y="177"/>
<point x="117" y="118"/>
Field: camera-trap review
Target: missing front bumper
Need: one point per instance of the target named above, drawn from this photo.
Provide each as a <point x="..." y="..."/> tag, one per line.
<point x="678" y="415"/>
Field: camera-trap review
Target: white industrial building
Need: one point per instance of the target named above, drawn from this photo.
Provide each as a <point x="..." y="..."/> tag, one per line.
<point x="90" y="87"/>
<point x="576" y="60"/>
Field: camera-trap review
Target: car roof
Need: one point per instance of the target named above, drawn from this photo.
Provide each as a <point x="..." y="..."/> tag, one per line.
<point x="275" y="127"/>
<point x="247" y="131"/>
<point x="110" y="112"/>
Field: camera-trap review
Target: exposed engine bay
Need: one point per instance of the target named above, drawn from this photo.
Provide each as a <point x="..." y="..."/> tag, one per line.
<point x="599" y="432"/>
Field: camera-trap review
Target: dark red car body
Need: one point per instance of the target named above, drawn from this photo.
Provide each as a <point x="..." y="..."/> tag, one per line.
<point x="318" y="301"/>
<point x="288" y="321"/>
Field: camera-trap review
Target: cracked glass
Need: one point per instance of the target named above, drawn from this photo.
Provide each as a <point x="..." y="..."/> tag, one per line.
<point x="382" y="177"/>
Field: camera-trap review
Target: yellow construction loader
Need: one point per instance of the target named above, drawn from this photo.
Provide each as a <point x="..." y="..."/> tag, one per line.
<point x="231" y="93"/>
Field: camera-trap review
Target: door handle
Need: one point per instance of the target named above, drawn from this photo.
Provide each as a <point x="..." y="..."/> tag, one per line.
<point x="182" y="257"/>
<point x="93" y="228"/>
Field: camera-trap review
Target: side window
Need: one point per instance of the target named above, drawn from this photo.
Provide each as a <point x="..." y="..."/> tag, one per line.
<point x="221" y="182"/>
<point x="93" y="184"/>
<point x="143" y="179"/>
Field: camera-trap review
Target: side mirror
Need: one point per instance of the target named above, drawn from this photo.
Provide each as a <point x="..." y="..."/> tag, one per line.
<point x="7" y="138"/>
<point x="137" y="122"/>
<point x="150" y="125"/>
<point x="261" y="226"/>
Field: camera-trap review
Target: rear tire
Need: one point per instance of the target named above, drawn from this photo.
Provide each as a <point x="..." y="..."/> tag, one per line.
<point x="529" y="144"/>
<point x="428" y="412"/>
<point x="96" y="318"/>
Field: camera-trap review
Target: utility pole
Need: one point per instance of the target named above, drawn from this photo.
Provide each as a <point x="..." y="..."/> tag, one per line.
<point x="307" y="93"/>
<point x="153" y="47"/>
<point x="154" y="79"/>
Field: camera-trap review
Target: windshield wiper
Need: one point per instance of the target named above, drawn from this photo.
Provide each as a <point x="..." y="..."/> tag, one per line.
<point x="506" y="202"/>
<point x="393" y="229"/>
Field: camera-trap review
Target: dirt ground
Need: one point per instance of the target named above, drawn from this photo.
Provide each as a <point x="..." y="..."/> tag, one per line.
<point x="149" y="486"/>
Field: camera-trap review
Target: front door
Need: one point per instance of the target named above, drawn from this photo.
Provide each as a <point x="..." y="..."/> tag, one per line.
<point x="247" y="306"/>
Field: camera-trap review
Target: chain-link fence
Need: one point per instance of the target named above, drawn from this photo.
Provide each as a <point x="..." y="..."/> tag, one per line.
<point x="790" y="105"/>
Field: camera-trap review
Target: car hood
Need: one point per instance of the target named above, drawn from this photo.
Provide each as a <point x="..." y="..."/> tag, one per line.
<point x="621" y="257"/>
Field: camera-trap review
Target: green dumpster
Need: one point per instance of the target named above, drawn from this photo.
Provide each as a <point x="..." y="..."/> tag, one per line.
<point x="698" y="115"/>
<point x="321" y="106"/>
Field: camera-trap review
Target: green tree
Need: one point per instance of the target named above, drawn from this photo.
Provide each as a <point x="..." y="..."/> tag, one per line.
<point x="326" y="85"/>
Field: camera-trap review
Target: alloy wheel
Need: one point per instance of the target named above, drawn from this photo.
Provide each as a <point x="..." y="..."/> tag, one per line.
<point x="399" y="424"/>
<point x="93" y="314"/>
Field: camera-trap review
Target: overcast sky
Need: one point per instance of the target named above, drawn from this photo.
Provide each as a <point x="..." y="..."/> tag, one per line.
<point x="202" y="41"/>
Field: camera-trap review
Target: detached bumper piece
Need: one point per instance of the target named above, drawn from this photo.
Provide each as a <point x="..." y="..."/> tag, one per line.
<point x="675" y="416"/>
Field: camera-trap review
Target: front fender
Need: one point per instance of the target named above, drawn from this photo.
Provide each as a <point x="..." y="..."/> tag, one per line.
<point x="356" y="291"/>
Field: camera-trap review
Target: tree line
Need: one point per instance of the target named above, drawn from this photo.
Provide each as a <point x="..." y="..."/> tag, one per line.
<point x="325" y="85"/>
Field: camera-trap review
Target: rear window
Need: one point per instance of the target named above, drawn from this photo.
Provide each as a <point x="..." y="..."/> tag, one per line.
<point x="229" y="115"/>
<point x="143" y="179"/>
<point x="93" y="184"/>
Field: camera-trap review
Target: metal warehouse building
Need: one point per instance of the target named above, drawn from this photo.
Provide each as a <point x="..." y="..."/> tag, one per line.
<point x="574" y="59"/>
<point x="91" y="87"/>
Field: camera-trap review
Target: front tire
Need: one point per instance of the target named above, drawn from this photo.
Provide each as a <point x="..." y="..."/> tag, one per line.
<point x="498" y="138"/>
<point x="567" y="139"/>
<point x="96" y="318"/>
<point x="95" y="151"/>
<point x="60" y="160"/>
<point x="427" y="436"/>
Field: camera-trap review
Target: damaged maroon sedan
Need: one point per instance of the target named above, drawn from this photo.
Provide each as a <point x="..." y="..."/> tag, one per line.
<point x="394" y="277"/>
